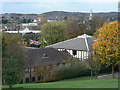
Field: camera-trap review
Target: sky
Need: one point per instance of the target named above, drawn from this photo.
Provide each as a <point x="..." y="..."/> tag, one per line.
<point x="42" y="6"/>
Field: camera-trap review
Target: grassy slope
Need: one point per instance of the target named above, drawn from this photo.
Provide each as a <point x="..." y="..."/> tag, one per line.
<point x="83" y="82"/>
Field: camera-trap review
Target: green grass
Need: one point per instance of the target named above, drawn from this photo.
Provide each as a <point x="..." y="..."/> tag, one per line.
<point x="82" y="82"/>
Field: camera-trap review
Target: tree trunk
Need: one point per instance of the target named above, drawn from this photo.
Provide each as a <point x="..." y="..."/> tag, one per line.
<point x="113" y="71"/>
<point x="95" y="75"/>
<point x="10" y="86"/>
<point x="119" y="72"/>
<point x="91" y="74"/>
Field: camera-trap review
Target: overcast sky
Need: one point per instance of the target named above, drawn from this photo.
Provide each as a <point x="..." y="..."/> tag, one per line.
<point x="41" y="6"/>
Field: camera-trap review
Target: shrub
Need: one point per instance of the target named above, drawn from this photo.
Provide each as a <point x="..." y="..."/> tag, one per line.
<point x="49" y="80"/>
<point x="73" y="70"/>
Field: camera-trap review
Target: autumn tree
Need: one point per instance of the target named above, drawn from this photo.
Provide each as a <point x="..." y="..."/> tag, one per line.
<point x="43" y="70"/>
<point x="53" y="32"/>
<point x="106" y="48"/>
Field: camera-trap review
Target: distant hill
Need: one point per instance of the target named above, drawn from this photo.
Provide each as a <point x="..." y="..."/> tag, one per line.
<point x="59" y="15"/>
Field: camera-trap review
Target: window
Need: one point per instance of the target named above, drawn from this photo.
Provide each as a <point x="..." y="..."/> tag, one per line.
<point x="27" y="70"/>
<point x="32" y="70"/>
<point x="45" y="56"/>
<point x="27" y="80"/>
<point x="33" y="79"/>
<point x="38" y="77"/>
<point x="74" y="52"/>
<point x="58" y="64"/>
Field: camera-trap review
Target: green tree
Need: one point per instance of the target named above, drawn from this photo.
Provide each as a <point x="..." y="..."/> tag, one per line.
<point x="12" y="17"/>
<point x="11" y="73"/>
<point x="0" y="60"/>
<point x="94" y="66"/>
<point x="74" y="28"/>
<point x="90" y="64"/>
<point x="4" y="21"/>
<point x="24" y="21"/>
<point x="53" y="32"/>
<point x="93" y="25"/>
<point x="12" y="62"/>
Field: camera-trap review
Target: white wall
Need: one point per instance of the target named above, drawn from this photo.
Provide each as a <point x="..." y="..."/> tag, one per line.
<point x="61" y="49"/>
<point x="79" y="54"/>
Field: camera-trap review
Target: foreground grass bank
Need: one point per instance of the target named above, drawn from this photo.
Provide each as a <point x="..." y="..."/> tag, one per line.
<point x="83" y="82"/>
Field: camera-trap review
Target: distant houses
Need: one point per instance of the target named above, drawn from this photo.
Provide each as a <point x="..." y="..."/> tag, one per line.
<point x="28" y="24"/>
<point x="50" y="20"/>
<point x="22" y="28"/>
<point x="26" y="30"/>
<point x="78" y="47"/>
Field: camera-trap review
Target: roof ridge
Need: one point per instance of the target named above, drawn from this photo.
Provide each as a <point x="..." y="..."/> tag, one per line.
<point x="84" y="36"/>
<point x="86" y="44"/>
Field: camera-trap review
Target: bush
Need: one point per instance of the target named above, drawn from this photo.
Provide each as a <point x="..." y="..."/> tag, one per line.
<point x="74" y="70"/>
<point x="106" y="70"/>
<point x="49" y="80"/>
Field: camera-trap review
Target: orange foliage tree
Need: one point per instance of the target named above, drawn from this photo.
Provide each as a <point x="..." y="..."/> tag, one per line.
<point x="106" y="48"/>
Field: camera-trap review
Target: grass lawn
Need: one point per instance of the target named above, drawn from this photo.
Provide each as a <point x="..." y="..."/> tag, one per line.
<point x="82" y="82"/>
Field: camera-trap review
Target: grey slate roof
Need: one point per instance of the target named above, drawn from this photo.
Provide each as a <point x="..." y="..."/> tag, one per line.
<point x="34" y="56"/>
<point x="78" y="43"/>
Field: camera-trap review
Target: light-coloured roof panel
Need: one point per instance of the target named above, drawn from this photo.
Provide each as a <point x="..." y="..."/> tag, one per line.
<point x="78" y="43"/>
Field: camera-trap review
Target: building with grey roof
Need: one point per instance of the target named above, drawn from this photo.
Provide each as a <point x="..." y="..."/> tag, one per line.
<point x="39" y="58"/>
<point x="78" y="47"/>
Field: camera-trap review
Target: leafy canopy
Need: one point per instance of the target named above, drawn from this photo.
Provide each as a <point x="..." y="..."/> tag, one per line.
<point x="53" y="32"/>
<point x="106" y="48"/>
